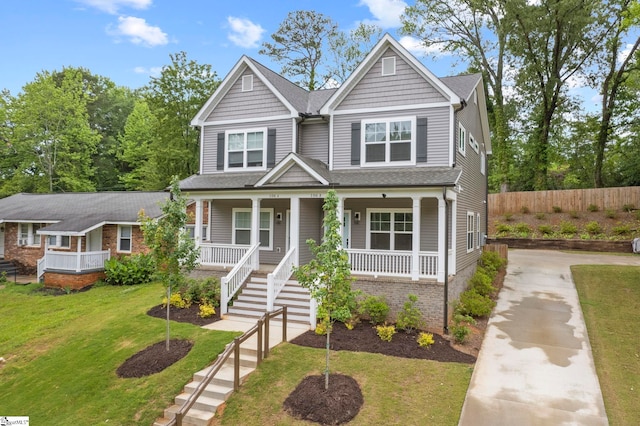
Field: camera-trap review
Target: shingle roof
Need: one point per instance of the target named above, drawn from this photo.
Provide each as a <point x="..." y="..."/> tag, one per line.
<point x="77" y="212"/>
<point x="462" y="85"/>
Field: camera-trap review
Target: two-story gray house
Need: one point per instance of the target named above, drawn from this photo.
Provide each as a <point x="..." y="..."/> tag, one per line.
<point x="405" y="151"/>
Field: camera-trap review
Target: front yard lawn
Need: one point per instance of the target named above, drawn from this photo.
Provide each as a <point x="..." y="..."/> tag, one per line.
<point x="610" y="298"/>
<point x="62" y="354"/>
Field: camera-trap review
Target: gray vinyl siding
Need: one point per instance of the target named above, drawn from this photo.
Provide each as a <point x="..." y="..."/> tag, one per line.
<point x="473" y="184"/>
<point x="260" y="102"/>
<point x="284" y="140"/>
<point x="438" y="130"/>
<point x="310" y="226"/>
<point x="295" y="175"/>
<point x="314" y="141"/>
<point x="428" y="219"/>
<point x="406" y="87"/>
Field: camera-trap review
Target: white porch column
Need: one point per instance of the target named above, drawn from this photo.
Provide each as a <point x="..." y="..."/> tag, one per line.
<point x="255" y="227"/>
<point x="415" y="249"/>
<point x="442" y="250"/>
<point x="294" y="228"/>
<point x="197" y="232"/>
<point x="79" y="252"/>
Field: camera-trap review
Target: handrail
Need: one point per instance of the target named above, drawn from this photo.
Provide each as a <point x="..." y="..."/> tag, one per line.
<point x="232" y="282"/>
<point x="263" y="323"/>
<point x="278" y="278"/>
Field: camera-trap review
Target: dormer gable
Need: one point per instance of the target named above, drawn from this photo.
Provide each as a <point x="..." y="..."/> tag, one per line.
<point x="295" y="169"/>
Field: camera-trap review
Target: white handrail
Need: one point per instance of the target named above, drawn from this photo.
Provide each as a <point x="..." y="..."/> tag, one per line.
<point x="231" y="283"/>
<point x="277" y="279"/>
<point x="221" y="254"/>
<point x="40" y="267"/>
<point x="83" y="261"/>
<point x="390" y="263"/>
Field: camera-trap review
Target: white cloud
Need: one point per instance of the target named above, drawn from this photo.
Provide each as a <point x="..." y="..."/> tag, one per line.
<point x="624" y="53"/>
<point x="416" y="47"/>
<point x="152" y="71"/>
<point x="112" y="6"/>
<point x="386" y="12"/>
<point x="244" y="33"/>
<point x="139" y="32"/>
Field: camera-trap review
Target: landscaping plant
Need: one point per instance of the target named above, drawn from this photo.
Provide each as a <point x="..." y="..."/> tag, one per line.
<point x="375" y="308"/>
<point x="410" y="317"/>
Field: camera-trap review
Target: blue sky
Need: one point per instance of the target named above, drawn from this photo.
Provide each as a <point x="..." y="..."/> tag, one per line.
<point x="129" y="40"/>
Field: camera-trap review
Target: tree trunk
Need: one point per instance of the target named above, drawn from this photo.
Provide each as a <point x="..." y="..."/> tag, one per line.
<point x="326" y="371"/>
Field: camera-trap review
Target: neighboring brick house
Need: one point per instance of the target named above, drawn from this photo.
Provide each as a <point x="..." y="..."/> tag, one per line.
<point x="66" y="238"/>
<point x="405" y="151"/>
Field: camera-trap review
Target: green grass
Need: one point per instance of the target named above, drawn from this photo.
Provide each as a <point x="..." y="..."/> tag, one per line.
<point x="610" y="298"/>
<point x="396" y="390"/>
<point x="62" y="354"/>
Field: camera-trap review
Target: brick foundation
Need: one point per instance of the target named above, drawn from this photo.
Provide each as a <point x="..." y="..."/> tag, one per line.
<point x="71" y="280"/>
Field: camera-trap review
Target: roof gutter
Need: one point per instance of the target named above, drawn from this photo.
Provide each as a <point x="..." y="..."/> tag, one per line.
<point x="463" y="103"/>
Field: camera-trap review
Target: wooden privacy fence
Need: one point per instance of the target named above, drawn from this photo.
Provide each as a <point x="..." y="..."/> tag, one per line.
<point x="568" y="200"/>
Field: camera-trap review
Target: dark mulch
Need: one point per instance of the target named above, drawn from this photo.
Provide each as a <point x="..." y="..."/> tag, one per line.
<point x="154" y="358"/>
<point x="189" y="314"/>
<point x="310" y="401"/>
<point x="363" y="338"/>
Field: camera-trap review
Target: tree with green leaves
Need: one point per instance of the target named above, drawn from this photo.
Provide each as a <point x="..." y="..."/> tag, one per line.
<point x="174" y="98"/>
<point x="173" y="251"/>
<point x="346" y="51"/>
<point x="328" y="274"/>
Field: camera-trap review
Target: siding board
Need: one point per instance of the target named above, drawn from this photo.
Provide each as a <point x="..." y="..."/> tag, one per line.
<point x="314" y="141"/>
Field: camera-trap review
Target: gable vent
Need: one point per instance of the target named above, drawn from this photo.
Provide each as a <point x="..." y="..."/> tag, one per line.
<point x="247" y="83"/>
<point x="389" y="66"/>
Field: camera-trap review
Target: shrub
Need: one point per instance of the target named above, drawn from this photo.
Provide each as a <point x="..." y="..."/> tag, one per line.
<point x="352" y="322"/>
<point x="375" y="308"/>
<point x="593" y="228"/>
<point x="176" y="301"/>
<point x="206" y="310"/>
<point x="386" y="332"/>
<point x="524" y="210"/>
<point x="568" y="228"/>
<point x="129" y="270"/>
<point x="638" y="214"/>
<point x="621" y="230"/>
<point x="540" y="216"/>
<point x="503" y="229"/>
<point x="557" y="209"/>
<point x="321" y="328"/>
<point x="574" y="214"/>
<point x="474" y="304"/>
<point x="410" y="317"/>
<point x="545" y="229"/>
<point x="508" y="217"/>
<point x="425" y="340"/>
<point x="522" y="228"/>
<point x="480" y="282"/>
<point x="460" y="333"/>
<point x="491" y="260"/>
<point x="592" y="208"/>
<point x="3" y="277"/>
<point x="611" y="214"/>
<point x="628" y="208"/>
<point x="201" y="291"/>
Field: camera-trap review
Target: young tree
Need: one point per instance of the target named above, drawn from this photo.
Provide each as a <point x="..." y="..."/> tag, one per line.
<point x="328" y="275"/>
<point x="174" y="253"/>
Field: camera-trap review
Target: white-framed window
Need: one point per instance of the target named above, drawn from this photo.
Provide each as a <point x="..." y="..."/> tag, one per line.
<point x="483" y="163"/>
<point x="478" y="235"/>
<point x="247" y="83"/>
<point x="389" y="142"/>
<point x="389" y="65"/>
<point x="191" y="231"/>
<point x="462" y="139"/>
<point x="474" y="143"/>
<point x="390" y="229"/>
<point x="470" y="231"/>
<point x="242" y="227"/>
<point x="59" y="241"/>
<point x="246" y="149"/>
<point x="27" y="234"/>
<point x="125" y="240"/>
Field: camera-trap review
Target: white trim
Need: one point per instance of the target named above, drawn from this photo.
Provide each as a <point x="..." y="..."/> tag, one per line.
<point x="477" y="231"/>
<point x="483" y="163"/>
<point x="392" y="231"/>
<point x="462" y="139"/>
<point x="391" y="108"/>
<point x="246" y="168"/>
<point x="119" y="239"/>
<point x="474" y="143"/>
<point x="331" y="144"/>
<point x="387" y="142"/>
<point x="250" y="211"/>
<point x="247" y="120"/>
<point x="470" y="231"/>
<point x="281" y="168"/>
<point x="247" y="83"/>
<point x="452" y="136"/>
<point x="388" y="64"/>
<point x="294" y="139"/>
<point x="30" y="240"/>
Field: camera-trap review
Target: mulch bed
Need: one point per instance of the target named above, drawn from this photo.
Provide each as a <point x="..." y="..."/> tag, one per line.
<point x="338" y="405"/>
<point x="154" y="358"/>
<point x="363" y="338"/>
<point x="190" y="314"/>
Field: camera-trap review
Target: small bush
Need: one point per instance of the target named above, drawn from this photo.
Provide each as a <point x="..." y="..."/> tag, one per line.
<point x="176" y="301"/>
<point x="503" y="229"/>
<point x="574" y="214"/>
<point x="557" y="209"/>
<point x="206" y="310"/>
<point x="480" y="282"/>
<point x="611" y="214"/>
<point x="621" y="230"/>
<point x="540" y="216"/>
<point x="568" y="228"/>
<point x="321" y="328"/>
<point x="352" y="322"/>
<point x="460" y="333"/>
<point x="592" y="208"/>
<point x="375" y="308"/>
<point x="206" y="290"/>
<point x="474" y="304"/>
<point x="628" y="208"/>
<point x="522" y="228"/>
<point x="425" y="340"/>
<point x="410" y="317"/>
<point x="3" y="277"/>
<point x="593" y="228"/>
<point x="508" y="217"/>
<point x="386" y="332"/>
<point x="524" y="210"/>
<point x="545" y="229"/>
<point x="638" y="214"/>
<point x="491" y="260"/>
<point x="129" y="270"/>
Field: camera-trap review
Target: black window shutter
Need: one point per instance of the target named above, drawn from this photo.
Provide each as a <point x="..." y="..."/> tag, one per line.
<point x="355" y="143"/>
<point x="220" y="159"/>
<point x="271" y="147"/>
<point x="421" y="140"/>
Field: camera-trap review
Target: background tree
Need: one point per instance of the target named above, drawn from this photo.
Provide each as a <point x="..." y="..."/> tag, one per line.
<point x="328" y="274"/>
<point x="173" y="251"/>
<point x="347" y="50"/>
<point x="174" y="98"/>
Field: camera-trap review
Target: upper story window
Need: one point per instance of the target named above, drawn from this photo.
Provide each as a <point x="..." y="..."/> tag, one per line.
<point x="389" y="65"/>
<point x="474" y="143"/>
<point x="247" y="83"/>
<point x="462" y="139"/>
<point x="27" y="234"/>
<point x="245" y="149"/>
<point x="124" y="238"/>
<point x="388" y="142"/>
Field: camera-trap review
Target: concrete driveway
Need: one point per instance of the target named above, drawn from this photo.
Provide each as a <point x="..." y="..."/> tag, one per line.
<point x="535" y="366"/>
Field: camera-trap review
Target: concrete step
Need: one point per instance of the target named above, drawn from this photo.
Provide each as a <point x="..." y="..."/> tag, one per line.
<point x="246" y="360"/>
<point x="211" y="390"/>
<point x="224" y="376"/>
<point x="194" y="417"/>
<point x="203" y="403"/>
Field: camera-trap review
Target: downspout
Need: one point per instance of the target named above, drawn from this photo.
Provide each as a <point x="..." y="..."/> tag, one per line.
<point x="446" y="262"/>
<point x="463" y="103"/>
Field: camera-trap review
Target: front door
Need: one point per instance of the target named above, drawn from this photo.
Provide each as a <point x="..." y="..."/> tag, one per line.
<point x="2" y="240"/>
<point x="346" y="230"/>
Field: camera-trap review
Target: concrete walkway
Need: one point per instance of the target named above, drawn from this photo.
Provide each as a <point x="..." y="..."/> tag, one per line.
<point x="233" y="323"/>
<point x="535" y="366"/>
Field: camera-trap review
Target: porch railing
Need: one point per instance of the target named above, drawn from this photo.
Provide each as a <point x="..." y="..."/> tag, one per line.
<point x="277" y="279"/>
<point x="221" y="254"/>
<point x="388" y="263"/>
<point x="231" y="283"/>
<point x="40" y="267"/>
<point x="78" y="262"/>
<point x="428" y="264"/>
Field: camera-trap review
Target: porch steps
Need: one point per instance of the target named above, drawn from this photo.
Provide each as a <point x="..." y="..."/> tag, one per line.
<point x="252" y="300"/>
